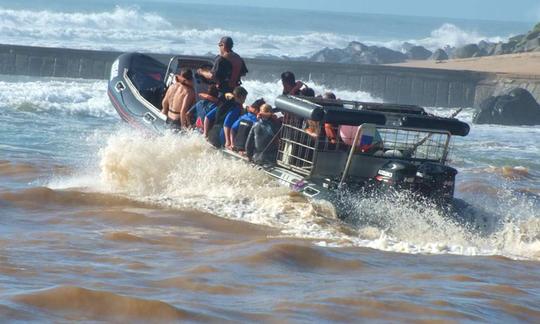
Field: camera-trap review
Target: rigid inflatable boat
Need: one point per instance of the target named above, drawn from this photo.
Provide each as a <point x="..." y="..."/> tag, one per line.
<point x="378" y="146"/>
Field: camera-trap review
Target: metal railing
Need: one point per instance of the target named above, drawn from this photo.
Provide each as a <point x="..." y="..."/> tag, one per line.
<point x="298" y="149"/>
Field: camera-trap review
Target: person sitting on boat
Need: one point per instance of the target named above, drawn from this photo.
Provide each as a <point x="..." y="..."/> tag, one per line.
<point x="179" y="97"/>
<point x="307" y="92"/>
<point x="313" y="128"/>
<point x="228" y="67"/>
<point x="218" y="122"/>
<point x="330" y="129"/>
<point x="290" y="85"/>
<point x="240" y="129"/>
<point x="261" y="145"/>
<point x="208" y="101"/>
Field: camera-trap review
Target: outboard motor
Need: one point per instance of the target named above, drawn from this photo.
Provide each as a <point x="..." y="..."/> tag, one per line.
<point x="436" y="181"/>
<point x="397" y="174"/>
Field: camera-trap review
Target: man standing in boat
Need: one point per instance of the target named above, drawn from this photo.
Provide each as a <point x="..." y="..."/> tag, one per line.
<point x="228" y="67"/>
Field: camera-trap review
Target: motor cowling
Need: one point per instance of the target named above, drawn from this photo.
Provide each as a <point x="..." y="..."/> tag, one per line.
<point x="435" y="180"/>
<point x="397" y="174"/>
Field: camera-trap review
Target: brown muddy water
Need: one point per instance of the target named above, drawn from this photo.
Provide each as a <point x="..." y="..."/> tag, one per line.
<point x="98" y="223"/>
<point x="69" y="256"/>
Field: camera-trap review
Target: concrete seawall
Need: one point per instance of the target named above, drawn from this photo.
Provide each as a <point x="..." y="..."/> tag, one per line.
<point x="425" y="87"/>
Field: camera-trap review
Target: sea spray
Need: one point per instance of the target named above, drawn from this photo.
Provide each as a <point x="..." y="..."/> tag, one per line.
<point x="185" y="172"/>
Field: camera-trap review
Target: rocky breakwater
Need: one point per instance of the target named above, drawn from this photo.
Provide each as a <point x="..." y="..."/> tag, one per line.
<point x="359" y="53"/>
<point x="528" y="42"/>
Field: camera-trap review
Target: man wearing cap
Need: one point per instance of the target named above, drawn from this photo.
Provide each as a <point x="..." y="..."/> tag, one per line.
<point x="228" y="67"/>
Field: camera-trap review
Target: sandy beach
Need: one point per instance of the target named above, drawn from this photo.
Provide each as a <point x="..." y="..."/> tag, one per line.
<point x="520" y="64"/>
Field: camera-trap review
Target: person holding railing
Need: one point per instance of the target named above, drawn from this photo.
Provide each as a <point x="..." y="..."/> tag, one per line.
<point x="209" y="101"/>
<point x="240" y="129"/>
<point x="262" y="145"/>
<point x="218" y="122"/>
<point x="294" y="87"/>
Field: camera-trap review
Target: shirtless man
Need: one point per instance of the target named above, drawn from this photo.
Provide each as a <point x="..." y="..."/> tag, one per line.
<point x="179" y="98"/>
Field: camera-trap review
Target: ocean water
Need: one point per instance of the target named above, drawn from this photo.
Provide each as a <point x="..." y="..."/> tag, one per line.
<point x="101" y="223"/>
<point x="169" y="27"/>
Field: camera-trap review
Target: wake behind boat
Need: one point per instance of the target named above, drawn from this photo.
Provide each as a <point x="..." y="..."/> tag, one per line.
<point x="378" y="146"/>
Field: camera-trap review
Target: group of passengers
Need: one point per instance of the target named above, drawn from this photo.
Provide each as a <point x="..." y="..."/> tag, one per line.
<point x="220" y="114"/>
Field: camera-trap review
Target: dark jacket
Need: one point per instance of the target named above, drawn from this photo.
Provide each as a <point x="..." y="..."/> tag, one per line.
<point x="262" y="144"/>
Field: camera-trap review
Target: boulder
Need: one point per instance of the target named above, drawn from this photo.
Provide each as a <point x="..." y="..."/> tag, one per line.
<point x="439" y="55"/>
<point x="418" y="53"/>
<point x="385" y="55"/>
<point x="329" y="55"/>
<point x="516" y="107"/>
<point x="504" y="48"/>
<point x="532" y="45"/>
<point x="468" y="51"/>
<point x="517" y="38"/>
<point x="487" y="47"/>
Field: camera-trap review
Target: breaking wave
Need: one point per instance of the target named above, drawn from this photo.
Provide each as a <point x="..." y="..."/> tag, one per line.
<point x="448" y="35"/>
<point x="56" y="96"/>
<point x="127" y="28"/>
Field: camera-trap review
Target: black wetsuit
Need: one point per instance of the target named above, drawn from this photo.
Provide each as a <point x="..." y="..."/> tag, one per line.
<point x="261" y="145"/>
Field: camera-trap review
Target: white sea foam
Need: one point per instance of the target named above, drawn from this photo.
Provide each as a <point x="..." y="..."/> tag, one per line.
<point x="131" y="29"/>
<point x="185" y="172"/>
<point x="59" y="96"/>
<point x="448" y="35"/>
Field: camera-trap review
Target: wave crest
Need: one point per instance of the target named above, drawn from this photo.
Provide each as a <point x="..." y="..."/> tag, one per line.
<point x="66" y="97"/>
<point x="102" y="305"/>
<point x="129" y="28"/>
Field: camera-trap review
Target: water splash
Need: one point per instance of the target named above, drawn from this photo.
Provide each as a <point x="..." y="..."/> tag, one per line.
<point x="185" y="172"/>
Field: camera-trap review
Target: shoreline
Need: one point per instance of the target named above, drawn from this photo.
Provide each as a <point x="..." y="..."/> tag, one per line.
<point x="520" y="65"/>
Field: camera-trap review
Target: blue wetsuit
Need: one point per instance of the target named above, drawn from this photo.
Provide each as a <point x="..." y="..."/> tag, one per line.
<point x="249" y="116"/>
<point x="229" y="120"/>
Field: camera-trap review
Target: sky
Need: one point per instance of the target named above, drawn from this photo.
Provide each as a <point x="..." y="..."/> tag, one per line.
<point x="505" y="10"/>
